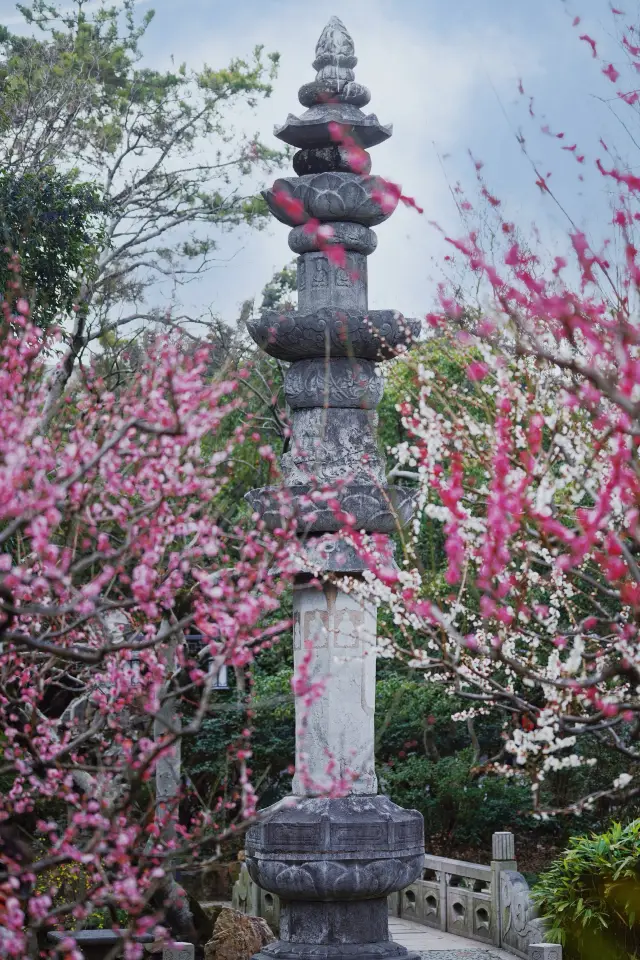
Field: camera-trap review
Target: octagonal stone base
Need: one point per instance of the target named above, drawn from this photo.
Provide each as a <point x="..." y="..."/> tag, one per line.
<point x="333" y="862"/>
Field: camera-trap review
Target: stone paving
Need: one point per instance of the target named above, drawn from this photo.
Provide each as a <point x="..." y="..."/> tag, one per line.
<point x="471" y="954"/>
<point x="434" y="944"/>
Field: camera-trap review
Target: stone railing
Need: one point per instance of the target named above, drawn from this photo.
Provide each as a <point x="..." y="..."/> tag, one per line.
<point x="490" y="903"/>
<point x="487" y="903"/>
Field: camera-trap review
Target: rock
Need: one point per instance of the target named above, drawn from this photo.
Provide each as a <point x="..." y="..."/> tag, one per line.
<point x="237" y="936"/>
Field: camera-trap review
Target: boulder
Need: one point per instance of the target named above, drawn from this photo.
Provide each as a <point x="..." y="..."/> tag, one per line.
<point x="237" y="936"/>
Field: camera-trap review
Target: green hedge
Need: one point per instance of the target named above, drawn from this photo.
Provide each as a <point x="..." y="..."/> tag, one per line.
<point x="591" y="895"/>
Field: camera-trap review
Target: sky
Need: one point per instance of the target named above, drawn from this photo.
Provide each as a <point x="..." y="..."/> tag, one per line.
<point x="445" y="73"/>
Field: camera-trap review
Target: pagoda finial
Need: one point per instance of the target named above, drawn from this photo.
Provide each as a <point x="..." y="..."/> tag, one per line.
<point x="335" y="41"/>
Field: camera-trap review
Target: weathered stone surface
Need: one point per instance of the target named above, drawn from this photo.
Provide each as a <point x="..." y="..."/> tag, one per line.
<point x="374" y="509"/>
<point x="337" y="829"/>
<point x="96" y="944"/>
<point x="519" y="921"/>
<point x="325" y="285"/>
<point x="331" y="196"/>
<point x="180" y="951"/>
<point x="376" y="335"/>
<point x="333" y="444"/>
<point x="351" y="236"/>
<point x="336" y="730"/>
<point x="366" y="950"/>
<point x="334" y="158"/>
<point x="503" y="846"/>
<point x="334" y="88"/>
<point x="335" y="47"/>
<point x="335" y="554"/>
<point x="237" y="936"/>
<point x="344" y="383"/>
<point x="336" y="880"/>
<point x="545" y="951"/>
<point x="313" y="129"/>
<point x="335" y="60"/>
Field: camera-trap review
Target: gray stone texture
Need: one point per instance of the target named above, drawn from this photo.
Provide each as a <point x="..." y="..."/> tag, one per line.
<point x="344" y="382"/>
<point x="330" y="196"/>
<point x="545" y="951"/>
<point x="520" y="924"/>
<point x="332" y="444"/>
<point x="324" y="159"/>
<point x="458" y="955"/>
<point x="349" y="829"/>
<point x="376" y="335"/>
<point x="333" y="554"/>
<point x="381" y="950"/>
<point x="180" y="951"/>
<point x="334" y="636"/>
<point x="331" y="87"/>
<point x="374" y="509"/>
<point x="503" y="846"/>
<point x="351" y="236"/>
<point x="322" y="284"/>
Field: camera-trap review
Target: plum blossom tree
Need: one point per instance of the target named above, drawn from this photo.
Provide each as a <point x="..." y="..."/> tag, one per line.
<point x="114" y="542"/>
<point x="530" y="465"/>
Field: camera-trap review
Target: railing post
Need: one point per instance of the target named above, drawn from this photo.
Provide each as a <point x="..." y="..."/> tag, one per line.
<point x="444" y="907"/>
<point x="503" y="857"/>
<point x="545" y="951"/>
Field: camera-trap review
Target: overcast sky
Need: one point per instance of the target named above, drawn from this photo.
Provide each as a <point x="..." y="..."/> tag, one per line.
<point x="445" y="73"/>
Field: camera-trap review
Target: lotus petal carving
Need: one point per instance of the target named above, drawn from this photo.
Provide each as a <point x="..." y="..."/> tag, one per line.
<point x="376" y="335"/>
<point x="331" y="196"/>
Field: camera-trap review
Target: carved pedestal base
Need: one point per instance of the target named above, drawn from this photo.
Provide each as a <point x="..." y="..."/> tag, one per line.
<point x="333" y="863"/>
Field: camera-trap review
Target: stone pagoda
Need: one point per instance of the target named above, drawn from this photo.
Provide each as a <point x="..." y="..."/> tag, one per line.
<point x="333" y="861"/>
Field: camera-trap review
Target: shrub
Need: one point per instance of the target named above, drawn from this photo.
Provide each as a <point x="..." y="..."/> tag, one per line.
<point x="457" y="807"/>
<point x="591" y="895"/>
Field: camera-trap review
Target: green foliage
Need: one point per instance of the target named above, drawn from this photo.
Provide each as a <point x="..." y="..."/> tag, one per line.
<point x="276" y="294"/>
<point x="209" y="758"/>
<point x="160" y="145"/>
<point x="427" y="761"/>
<point x="458" y="807"/>
<point x="55" y="227"/>
<point x="591" y="896"/>
<point x="66" y="884"/>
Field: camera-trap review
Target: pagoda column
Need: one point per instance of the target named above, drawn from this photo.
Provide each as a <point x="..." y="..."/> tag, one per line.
<point x="333" y="861"/>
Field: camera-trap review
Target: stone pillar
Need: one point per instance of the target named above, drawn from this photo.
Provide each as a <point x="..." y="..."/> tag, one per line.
<point x="336" y="730"/>
<point x="333" y="861"/>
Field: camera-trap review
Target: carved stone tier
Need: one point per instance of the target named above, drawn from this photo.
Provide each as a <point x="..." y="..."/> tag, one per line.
<point x="334" y="88"/>
<point x="326" y="159"/>
<point x="344" y="383"/>
<point x="332" y="196"/>
<point x="373" y="509"/>
<point x="336" y="555"/>
<point x="376" y="335"/>
<point x="351" y="236"/>
<point x="350" y="834"/>
<point x="323" y="285"/>
<point x="313" y="128"/>
<point x="331" y="445"/>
